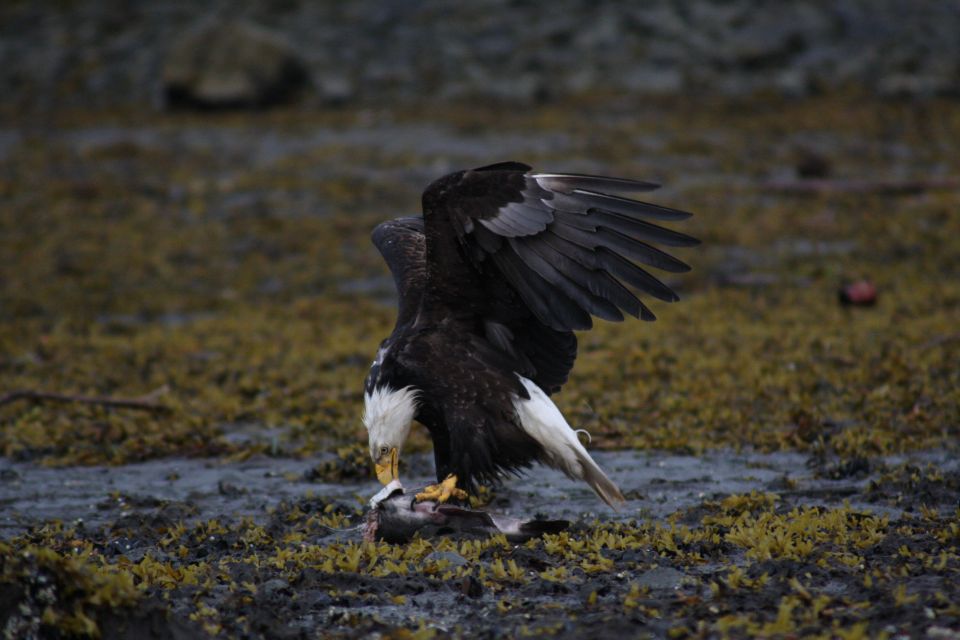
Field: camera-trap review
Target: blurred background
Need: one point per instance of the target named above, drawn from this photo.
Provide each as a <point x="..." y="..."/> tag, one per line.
<point x="187" y="191"/>
<point x="222" y="54"/>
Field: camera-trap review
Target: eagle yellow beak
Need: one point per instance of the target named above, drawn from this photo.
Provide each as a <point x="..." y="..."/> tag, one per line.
<point x="386" y="467"/>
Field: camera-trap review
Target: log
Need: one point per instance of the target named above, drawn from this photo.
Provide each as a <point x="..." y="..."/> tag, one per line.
<point x="147" y="402"/>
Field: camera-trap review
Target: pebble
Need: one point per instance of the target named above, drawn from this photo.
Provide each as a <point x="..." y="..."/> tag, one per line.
<point x="453" y="558"/>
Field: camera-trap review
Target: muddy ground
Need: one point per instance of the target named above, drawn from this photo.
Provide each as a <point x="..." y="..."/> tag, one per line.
<point x="790" y="462"/>
<point x="757" y="543"/>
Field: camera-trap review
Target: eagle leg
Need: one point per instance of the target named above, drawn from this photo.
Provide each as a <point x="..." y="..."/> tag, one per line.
<point x="443" y="491"/>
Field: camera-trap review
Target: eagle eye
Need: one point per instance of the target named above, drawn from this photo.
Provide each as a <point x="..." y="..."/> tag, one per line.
<point x="383" y="450"/>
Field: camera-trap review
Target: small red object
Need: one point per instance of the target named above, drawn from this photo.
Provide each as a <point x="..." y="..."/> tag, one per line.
<point x="862" y="293"/>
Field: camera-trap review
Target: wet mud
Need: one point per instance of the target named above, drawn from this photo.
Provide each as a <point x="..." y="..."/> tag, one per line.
<point x="758" y="543"/>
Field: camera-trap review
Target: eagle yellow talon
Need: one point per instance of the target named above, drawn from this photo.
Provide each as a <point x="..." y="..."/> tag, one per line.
<point x="443" y="491"/>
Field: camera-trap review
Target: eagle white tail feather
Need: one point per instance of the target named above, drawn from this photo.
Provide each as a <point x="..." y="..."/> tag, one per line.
<point x="542" y="420"/>
<point x="601" y="484"/>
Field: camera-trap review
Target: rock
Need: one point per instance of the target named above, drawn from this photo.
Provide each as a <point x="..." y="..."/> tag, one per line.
<point x="811" y="164"/>
<point x="471" y="587"/>
<point x="108" y="54"/>
<point x="766" y="37"/>
<point x="652" y="80"/>
<point x="519" y="88"/>
<point x="275" y="586"/>
<point x="662" y="578"/>
<point x="229" y="65"/>
<point x="793" y="82"/>
<point x="9" y="475"/>
<point x="229" y="488"/>
<point x="903" y="85"/>
<point x="455" y="559"/>
<point x="334" y="89"/>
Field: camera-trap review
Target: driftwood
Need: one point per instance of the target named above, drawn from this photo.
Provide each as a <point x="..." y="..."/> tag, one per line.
<point x="395" y="516"/>
<point x="828" y="186"/>
<point x="146" y="402"/>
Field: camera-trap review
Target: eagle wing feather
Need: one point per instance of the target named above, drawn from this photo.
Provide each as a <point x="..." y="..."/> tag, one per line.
<point x="560" y="241"/>
<point x="534" y="256"/>
<point x="401" y="243"/>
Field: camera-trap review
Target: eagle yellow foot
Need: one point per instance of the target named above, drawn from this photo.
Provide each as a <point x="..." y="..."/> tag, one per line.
<point x="443" y="491"/>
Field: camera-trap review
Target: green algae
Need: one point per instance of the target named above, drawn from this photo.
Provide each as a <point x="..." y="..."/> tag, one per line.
<point x="747" y="565"/>
<point x="61" y="591"/>
<point x="126" y="272"/>
<point x="134" y="267"/>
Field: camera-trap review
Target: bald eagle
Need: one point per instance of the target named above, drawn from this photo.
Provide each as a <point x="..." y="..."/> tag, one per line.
<point x="493" y="279"/>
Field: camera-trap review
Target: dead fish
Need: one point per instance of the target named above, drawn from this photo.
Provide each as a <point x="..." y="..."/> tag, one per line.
<point x="396" y="516"/>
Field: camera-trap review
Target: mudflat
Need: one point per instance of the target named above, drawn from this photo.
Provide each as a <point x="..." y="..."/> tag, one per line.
<point x="789" y="460"/>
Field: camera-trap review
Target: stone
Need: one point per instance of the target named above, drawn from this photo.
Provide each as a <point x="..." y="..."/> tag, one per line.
<point x="768" y="37"/>
<point x="335" y="89"/>
<point x="455" y="559"/>
<point x="108" y="54"/>
<point x="230" y="65"/>
<point x="901" y="85"/>
<point x="275" y="586"/>
<point x="652" y="80"/>
<point x="662" y="578"/>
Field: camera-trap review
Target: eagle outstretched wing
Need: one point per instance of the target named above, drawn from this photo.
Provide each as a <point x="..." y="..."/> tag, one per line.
<point x="561" y="241"/>
<point x="402" y="245"/>
<point x="544" y="355"/>
<point x="533" y="255"/>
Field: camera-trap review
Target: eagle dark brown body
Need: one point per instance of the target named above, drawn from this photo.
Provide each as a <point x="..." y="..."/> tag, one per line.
<point x="493" y="279"/>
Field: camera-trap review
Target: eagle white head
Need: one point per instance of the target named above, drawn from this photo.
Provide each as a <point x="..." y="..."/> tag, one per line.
<point x="387" y="415"/>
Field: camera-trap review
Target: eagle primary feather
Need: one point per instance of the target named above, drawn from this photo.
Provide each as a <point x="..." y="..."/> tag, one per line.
<point x="493" y="279"/>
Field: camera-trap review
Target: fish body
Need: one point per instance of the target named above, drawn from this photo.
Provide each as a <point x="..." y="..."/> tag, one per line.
<point x="396" y="516"/>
